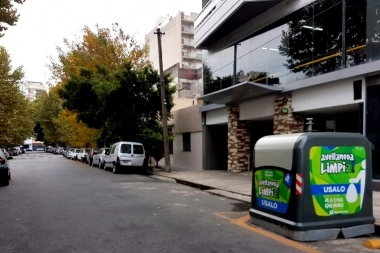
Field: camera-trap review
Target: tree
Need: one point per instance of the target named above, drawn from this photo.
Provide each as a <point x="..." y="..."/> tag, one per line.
<point x="60" y="127"/>
<point x="121" y="103"/>
<point x="109" y="83"/>
<point x="74" y="132"/>
<point x="16" y="122"/>
<point x="48" y="107"/>
<point x="106" y="48"/>
<point x="8" y="14"/>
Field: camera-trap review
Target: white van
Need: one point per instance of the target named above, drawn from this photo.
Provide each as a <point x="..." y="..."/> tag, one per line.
<point x="125" y="154"/>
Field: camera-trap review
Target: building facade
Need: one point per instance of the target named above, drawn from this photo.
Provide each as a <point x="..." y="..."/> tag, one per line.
<point x="270" y="65"/>
<point x="180" y="58"/>
<point x="32" y="90"/>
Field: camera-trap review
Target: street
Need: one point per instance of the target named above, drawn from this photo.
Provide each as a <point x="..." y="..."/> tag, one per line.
<point x="57" y="205"/>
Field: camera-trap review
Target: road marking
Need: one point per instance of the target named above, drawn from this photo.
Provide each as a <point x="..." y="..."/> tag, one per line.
<point x="242" y="222"/>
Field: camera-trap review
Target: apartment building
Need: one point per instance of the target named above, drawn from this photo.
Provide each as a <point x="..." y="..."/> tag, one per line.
<point x="180" y="58"/>
<point x="270" y="65"/>
<point x="32" y="90"/>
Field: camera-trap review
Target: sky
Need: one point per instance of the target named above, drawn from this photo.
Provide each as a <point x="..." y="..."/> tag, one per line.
<point x="43" y="24"/>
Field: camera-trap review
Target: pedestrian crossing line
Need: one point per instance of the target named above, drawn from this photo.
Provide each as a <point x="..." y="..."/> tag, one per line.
<point x="244" y="222"/>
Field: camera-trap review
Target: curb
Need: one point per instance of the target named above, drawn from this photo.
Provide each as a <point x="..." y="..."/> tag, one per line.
<point x="218" y="191"/>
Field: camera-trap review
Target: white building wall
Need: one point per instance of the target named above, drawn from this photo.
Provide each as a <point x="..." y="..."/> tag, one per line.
<point x="257" y="109"/>
<point x="327" y="95"/>
<point x="189" y="160"/>
<point x="219" y="116"/>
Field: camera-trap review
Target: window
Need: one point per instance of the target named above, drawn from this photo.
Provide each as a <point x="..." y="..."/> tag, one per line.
<point x="186" y="142"/>
<point x="113" y="149"/>
<point x="138" y="149"/>
<point x="186" y="86"/>
<point x="125" y="148"/>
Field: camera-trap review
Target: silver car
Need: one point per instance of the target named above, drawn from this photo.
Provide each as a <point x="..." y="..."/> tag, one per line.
<point x="98" y="157"/>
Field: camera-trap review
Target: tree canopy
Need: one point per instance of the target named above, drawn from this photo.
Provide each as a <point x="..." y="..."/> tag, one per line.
<point x="59" y="126"/>
<point x="8" y="14"/>
<point x="108" y="82"/>
<point x="16" y="122"/>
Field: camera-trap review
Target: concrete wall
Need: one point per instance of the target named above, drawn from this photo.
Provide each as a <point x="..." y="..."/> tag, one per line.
<point x="219" y="116"/>
<point x="188" y="160"/>
<point x="326" y="95"/>
<point x="171" y="43"/>
<point x="262" y="108"/>
<point x="187" y="120"/>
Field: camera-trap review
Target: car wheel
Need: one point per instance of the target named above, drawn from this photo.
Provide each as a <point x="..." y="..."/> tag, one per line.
<point x="5" y="181"/>
<point x="115" y="168"/>
<point x="100" y="165"/>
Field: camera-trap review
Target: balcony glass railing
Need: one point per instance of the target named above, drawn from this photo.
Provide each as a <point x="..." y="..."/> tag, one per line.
<point x="187" y="30"/>
<point x="193" y="56"/>
<point x="205" y="12"/>
<point x="188" y="42"/>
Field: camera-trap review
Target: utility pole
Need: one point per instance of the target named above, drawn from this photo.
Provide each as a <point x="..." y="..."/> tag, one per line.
<point x="163" y="104"/>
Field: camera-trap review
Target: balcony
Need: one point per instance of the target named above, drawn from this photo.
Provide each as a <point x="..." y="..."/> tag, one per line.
<point x="187" y="42"/>
<point x="192" y="56"/>
<point x="187" y="30"/>
<point x="219" y="18"/>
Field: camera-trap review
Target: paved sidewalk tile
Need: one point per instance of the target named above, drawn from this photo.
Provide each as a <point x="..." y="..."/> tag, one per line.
<point x="232" y="185"/>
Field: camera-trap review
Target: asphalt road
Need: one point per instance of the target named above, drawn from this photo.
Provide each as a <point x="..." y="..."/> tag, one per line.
<point x="57" y="205"/>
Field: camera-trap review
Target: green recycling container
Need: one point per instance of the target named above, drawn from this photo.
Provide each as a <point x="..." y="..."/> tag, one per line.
<point x="313" y="186"/>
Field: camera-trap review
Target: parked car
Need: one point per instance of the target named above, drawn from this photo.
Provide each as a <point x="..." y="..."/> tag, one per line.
<point x="91" y="154"/>
<point x="70" y="153"/>
<point x="13" y="152"/>
<point x="74" y="154"/>
<point x="65" y="151"/>
<point x="5" y="171"/>
<point x="82" y="155"/>
<point x="98" y="158"/>
<point x="6" y="153"/>
<point x="125" y="154"/>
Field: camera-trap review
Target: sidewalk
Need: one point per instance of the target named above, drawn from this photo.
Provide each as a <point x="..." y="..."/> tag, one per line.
<point x="231" y="185"/>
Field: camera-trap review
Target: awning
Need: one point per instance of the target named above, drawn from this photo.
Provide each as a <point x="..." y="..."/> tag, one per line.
<point x="240" y="92"/>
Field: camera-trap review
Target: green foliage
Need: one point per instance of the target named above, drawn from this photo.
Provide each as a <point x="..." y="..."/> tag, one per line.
<point x="48" y="107"/>
<point x="39" y="132"/>
<point x="123" y="103"/>
<point x="16" y="122"/>
<point x="109" y="83"/>
<point x="8" y="14"/>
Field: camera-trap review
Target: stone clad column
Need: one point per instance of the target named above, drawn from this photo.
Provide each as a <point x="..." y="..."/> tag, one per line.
<point x="238" y="142"/>
<point x="286" y="123"/>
